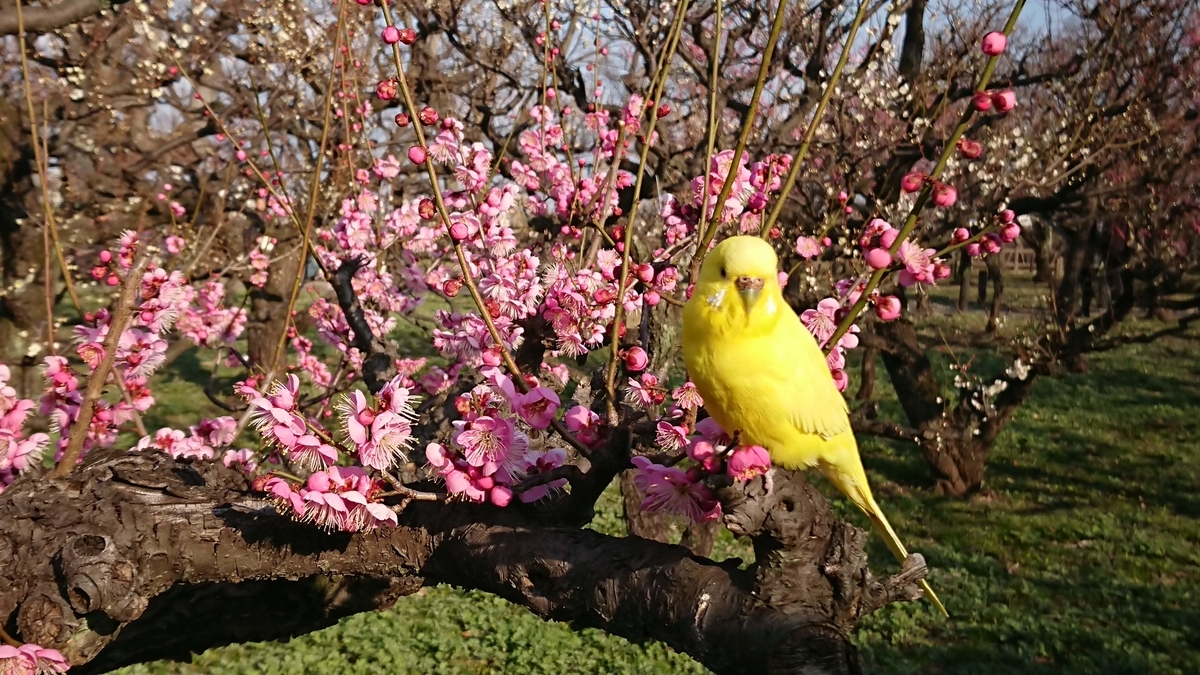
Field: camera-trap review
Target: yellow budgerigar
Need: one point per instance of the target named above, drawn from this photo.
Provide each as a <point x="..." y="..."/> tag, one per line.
<point x="763" y="376"/>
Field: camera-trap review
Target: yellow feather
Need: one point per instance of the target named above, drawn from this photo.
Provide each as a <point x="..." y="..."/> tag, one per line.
<point x="763" y="376"/>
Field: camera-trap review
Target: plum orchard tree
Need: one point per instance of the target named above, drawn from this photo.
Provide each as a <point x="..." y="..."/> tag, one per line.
<point x="532" y="188"/>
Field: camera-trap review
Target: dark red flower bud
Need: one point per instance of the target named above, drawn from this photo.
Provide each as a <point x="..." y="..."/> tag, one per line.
<point x="428" y="116"/>
<point x="426" y="208"/>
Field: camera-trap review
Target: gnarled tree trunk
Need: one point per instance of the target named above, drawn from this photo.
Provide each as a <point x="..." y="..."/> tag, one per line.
<point x="136" y="556"/>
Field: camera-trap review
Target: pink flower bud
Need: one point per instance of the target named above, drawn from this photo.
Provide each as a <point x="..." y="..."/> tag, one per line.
<point x="982" y="101"/>
<point x="458" y="231"/>
<point x="105" y="257"/>
<point x="319" y="482"/>
<point x="944" y="195"/>
<point x="428" y="116"/>
<point x="501" y="496"/>
<point x="970" y="149"/>
<point x="994" y="43"/>
<point x="403" y="120"/>
<point x="1007" y="216"/>
<point x="663" y="111"/>
<point x="878" y="258"/>
<point x="645" y="272"/>
<point x="112" y="280"/>
<point x="992" y="243"/>
<point x="636" y="359"/>
<point x="426" y="208"/>
<point x="391" y="35"/>
<point x="941" y="271"/>
<point x="417" y="155"/>
<point x="451" y="287"/>
<point x="974" y="250"/>
<point x="960" y="235"/>
<point x="912" y="181"/>
<point x="757" y="202"/>
<point x="888" y="237"/>
<point x="491" y="357"/>
<point x="386" y="89"/>
<point x="1010" y="233"/>
<point x="408" y="36"/>
<point x="652" y="297"/>
<point x="1004" y="100"/>
<point x="887" y="308"/>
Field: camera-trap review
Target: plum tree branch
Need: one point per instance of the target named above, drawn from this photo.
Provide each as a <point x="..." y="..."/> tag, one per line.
<point x="53" y="17"/>
<point x="137" y="556"/>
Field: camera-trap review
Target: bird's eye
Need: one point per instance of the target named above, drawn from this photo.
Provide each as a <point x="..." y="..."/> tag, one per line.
<point x="722" y="272"/>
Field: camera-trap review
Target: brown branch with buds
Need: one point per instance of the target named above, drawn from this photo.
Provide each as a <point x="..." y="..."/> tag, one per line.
<point x="116" y="325"/>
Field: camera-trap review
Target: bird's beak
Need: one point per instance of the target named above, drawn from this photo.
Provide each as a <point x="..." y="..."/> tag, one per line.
<point x="749" y="288"/>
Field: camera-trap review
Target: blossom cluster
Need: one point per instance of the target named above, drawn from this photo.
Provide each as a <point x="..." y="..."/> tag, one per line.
<point x="338" y="498"/>
<point x="488" y="452"/>
<point x="31" y="659"/>
<point x="17" y="451"/>
<point x="683" y="492"/>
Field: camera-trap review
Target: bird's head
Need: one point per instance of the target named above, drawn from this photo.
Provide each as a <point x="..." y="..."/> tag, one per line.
<point x="746" y="266"/>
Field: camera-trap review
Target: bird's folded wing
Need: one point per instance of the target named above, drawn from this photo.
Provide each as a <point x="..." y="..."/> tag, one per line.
<point x="813" y="401"/>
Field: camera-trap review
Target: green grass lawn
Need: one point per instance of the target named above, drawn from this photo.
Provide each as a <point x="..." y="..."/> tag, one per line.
<point x="1082" y="555"/>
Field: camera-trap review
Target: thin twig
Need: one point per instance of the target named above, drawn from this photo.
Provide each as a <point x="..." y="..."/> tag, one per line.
<point x="116" y="325"/>
<point x="740" y="149"/>
<point x="656" y="89"/>
<point x="811" y="132"/>
<point x="923" y="198"/>
<point x="468" y="279"/>
<point x="713" y="120"/>
<point x="314" y="188"/>
<point x="5" y="637"/>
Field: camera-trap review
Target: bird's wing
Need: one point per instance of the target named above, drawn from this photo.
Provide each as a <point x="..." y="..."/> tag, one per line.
<point x="815" y="405"/>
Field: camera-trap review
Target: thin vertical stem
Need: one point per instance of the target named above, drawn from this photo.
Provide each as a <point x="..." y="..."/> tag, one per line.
<point x="656" y="90"/>
<point x="923" y="198"/>
<point x="713" y="122"/>
<point x="313" y="191"/>
<point x="811" y="132"/>
<point x="87" y="407"/>
<point x="747" y="126"/>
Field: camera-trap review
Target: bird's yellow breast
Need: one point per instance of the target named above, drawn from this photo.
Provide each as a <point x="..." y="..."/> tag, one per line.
<point x="747" y="373"/>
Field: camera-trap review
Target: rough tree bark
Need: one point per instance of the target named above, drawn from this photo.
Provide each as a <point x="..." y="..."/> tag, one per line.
<point x="955" y="438"/>
<point x="964" y="281"/>
<point x="136" y="556"/>
<point x="996" y="274"/>
<point x="267" y="315"/>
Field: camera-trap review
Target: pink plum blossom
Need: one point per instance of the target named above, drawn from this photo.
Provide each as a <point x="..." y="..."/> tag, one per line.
<point x="748" y="461"/>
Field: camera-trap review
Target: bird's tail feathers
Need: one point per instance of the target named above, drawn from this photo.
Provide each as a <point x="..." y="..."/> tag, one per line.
<point x="893" y="543"/>
<point x="859" y="491"/>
